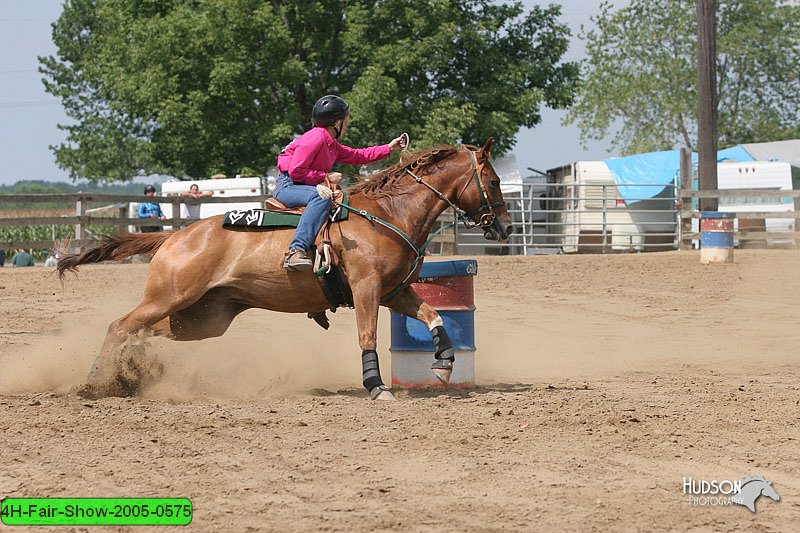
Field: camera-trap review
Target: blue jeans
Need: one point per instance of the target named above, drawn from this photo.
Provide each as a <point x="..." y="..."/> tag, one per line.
<point x="292" y="194"/>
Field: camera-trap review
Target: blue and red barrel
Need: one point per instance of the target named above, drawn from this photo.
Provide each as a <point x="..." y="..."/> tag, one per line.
<point x="716" y="237"/>
<point x="447" y="286"/>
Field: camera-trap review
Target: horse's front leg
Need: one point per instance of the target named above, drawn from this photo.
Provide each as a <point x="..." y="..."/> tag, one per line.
<point x="408" y="303"/>
<point x="366" y="298"/>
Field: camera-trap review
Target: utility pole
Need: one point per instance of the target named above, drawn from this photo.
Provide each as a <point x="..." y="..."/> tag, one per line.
<point x="707" y="100"/>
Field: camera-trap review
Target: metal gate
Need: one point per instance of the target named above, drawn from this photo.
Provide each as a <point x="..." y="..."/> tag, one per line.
<point x="571" y="216"/>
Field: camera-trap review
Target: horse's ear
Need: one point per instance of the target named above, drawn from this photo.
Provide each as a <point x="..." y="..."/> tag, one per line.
<point x="484" y="153"/>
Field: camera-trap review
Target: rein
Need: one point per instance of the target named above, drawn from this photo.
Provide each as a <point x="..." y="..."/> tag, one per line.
<point x="485" y="220"/>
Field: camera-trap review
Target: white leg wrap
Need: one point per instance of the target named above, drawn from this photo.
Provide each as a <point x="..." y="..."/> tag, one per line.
<point x="437" y="322"/>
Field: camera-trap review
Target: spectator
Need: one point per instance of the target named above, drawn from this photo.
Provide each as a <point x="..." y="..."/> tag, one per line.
<point x="22" y="259"/>
<point x="150" y="210"/>
<point x="191" y="209"/>
<point x="2" y="257"/>
<point x="52" y="259"/>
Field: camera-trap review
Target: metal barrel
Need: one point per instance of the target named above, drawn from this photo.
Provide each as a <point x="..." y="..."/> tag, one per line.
<point x="447" y="286"/>
<point x="716" y="237"/>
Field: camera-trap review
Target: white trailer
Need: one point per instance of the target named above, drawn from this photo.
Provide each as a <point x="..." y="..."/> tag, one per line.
<point x="225" y="187"/>
<point x="779" y="176"/>
<point x="222" y="188"/>
<point x="587" y="213"/>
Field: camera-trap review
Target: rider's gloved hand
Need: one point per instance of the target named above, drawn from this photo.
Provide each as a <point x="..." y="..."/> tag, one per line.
<point x="324" y="192"/>
<point x="399" y="143"/>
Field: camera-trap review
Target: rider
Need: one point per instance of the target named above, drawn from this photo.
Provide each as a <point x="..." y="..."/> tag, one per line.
<point x="306" y="163"/>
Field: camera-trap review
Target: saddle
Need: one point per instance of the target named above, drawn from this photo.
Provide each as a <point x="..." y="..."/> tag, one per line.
<point x="326" y="265"/>
<point x="272" y="204"/>
<point x="274" y="215"/>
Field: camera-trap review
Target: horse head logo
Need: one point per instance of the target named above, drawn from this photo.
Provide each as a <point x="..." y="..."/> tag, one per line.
<point x="752" y="488"/>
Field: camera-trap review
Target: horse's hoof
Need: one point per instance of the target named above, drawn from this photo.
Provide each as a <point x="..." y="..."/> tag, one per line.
<point x="442" y="375"/>
<point x="382" y="392"/>
<point x="443" y="369"/>
<point x="89" y="392"/>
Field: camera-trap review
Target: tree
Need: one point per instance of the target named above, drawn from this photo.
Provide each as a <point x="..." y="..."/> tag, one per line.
<point x="641" y="71"/>
<point x="194" y="87"/>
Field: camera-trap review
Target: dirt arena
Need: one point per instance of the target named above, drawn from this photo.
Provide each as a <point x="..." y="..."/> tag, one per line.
<point x="604" y="381"/>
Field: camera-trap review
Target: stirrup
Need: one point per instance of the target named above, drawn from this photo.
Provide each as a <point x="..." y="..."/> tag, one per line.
<point x="322" y="261"/>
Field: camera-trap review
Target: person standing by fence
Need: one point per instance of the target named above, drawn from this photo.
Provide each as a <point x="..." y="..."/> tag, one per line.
<point x="191" y="209"/>
<point x="150" y="210"/>
<point x="22" y="259"/>
<point x="51" y="260"/>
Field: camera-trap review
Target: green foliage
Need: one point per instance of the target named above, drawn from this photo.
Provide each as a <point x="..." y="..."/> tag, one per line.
<point x="58" y="187"/>
<point x="641" y="72"/>
<point x="12" y="234"/>
<point x="194" y="87"/>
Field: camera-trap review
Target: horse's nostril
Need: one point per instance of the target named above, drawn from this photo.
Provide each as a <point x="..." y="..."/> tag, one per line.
<point x="509" y="230"/>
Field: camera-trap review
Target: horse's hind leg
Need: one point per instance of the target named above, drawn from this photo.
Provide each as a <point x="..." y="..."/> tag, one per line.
<point x="208" y="317"/>
<point x="123" y="364"/>
<point x="409" y="303"/>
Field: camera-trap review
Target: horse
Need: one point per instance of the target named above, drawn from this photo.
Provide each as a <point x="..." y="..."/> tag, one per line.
<point x="202" y="276"/>
<point x="753" y="488"/>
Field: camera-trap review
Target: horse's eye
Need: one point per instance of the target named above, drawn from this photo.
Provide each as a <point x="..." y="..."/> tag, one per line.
<point x="495" y="182"/>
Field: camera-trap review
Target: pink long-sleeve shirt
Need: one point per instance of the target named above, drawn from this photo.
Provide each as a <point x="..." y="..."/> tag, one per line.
<point x="311" y="156"/>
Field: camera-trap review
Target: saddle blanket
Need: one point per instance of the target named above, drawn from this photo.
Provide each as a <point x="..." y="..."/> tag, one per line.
<point x="264" y="218"/>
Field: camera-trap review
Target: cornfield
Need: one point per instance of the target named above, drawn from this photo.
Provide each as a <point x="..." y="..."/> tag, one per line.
<point x="46" y="232"/>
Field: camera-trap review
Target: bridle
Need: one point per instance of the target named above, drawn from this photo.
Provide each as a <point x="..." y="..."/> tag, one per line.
<point x="487" y="219"/>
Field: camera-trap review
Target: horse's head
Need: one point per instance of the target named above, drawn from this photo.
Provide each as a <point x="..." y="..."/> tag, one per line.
<point x="481" y="197"/>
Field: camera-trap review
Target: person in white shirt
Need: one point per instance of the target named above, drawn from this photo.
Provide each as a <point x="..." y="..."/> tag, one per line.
<point x="191" y="209"/>
<point x="52" y="259"/>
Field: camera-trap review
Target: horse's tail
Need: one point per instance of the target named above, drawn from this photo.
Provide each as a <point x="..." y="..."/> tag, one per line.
<point x="114" y="248"/>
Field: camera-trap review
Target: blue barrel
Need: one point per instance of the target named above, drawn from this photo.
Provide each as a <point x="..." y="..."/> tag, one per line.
<point x="716" y="237"/>
<point x="447" y="286"/>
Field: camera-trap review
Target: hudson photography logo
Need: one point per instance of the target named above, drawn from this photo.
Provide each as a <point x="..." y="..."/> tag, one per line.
<point x="744" y="491"/>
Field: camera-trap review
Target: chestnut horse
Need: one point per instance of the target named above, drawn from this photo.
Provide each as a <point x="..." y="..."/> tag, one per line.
<point x="202" y="276"/>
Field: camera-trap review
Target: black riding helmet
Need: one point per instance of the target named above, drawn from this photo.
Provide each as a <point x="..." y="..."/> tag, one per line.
<point x="328" y="110"/>
<point x="149" y="188"/>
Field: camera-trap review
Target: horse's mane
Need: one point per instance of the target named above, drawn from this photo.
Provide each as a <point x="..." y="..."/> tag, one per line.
<point x="387" y="182"/>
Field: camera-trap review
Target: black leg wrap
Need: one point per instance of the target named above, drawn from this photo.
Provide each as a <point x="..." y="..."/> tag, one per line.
<point x="370" y="370"/>
<point x="442" y="345"/>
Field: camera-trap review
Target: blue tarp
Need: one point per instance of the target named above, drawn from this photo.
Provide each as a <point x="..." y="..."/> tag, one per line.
<point x="734" y="153"/>
<point x="643" y="176"/>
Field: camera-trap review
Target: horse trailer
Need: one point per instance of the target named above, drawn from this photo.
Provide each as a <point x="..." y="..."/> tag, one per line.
<point x="224" y="187"/>
<point x="587" y="213"/>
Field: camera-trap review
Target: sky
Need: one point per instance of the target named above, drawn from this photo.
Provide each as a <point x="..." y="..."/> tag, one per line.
<point x="29" y="116"/>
